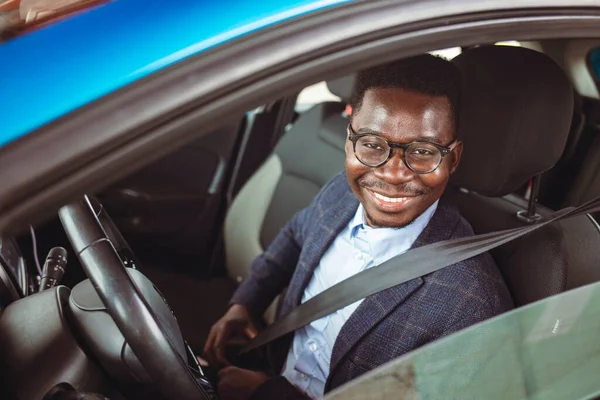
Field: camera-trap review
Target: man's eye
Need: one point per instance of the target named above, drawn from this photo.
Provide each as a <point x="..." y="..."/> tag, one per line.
<point x="422" y="152"/>
<point x="372" y="146"/>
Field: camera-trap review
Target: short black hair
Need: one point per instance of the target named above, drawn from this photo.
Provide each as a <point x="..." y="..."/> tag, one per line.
<point x="426" y="74"/>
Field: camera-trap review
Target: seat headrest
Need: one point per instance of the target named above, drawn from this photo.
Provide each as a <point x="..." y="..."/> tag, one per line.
<point x="516" y="110"/>
<point x="342" y="87"/>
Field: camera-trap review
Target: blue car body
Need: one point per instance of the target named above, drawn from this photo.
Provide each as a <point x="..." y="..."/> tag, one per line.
<point x="59" y="68"/>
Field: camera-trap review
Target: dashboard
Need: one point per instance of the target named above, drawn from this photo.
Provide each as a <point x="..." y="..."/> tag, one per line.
<point x="14" y="277"/>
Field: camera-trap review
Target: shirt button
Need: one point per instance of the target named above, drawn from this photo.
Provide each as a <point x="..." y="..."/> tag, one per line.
<point x="313" y="347"/>
<point x="303" y="377"/>
<point x="358" y="256"/>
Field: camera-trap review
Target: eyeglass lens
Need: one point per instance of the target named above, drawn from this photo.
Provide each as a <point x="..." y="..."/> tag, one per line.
<point x="420" y="157"/>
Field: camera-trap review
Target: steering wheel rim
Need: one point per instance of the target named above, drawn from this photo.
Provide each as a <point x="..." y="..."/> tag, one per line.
<point x="126" y="305"/>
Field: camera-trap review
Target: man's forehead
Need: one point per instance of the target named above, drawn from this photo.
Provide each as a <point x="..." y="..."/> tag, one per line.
<point x="399" y="115"/>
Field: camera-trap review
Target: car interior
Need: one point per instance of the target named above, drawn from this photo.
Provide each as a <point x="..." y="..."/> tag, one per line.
<point x="192" y="222"/>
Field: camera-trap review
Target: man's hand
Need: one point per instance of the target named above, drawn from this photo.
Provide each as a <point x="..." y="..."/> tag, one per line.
<point x="236" y="321"/>
<point x="239" y="384"/>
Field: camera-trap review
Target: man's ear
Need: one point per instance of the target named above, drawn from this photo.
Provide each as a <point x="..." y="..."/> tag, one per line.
<point x="348" y="149"/>
<point x="456" y="154"/>
<point x="348" y="145"/>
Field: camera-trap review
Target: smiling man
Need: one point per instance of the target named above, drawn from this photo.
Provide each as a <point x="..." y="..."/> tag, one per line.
<point x="401" y="149"/>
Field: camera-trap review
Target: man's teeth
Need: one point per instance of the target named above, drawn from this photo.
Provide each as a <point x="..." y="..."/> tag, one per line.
<point x="389" y="199"/>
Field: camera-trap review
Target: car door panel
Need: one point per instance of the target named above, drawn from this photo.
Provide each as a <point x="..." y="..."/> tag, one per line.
<point x="175" y="203"/>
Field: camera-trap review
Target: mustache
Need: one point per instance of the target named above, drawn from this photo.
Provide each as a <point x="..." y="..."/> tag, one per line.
<point x="407" y="189"/>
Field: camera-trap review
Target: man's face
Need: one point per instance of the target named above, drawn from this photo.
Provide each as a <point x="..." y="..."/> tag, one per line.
<point x="401" y="116"/>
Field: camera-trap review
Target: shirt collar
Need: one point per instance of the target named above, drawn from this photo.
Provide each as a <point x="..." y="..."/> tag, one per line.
<point x="382" y="244"/>
<point x="359" y="222"/>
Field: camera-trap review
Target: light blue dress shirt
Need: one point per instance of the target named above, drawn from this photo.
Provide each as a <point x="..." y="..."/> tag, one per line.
<point x="356" y="248"/>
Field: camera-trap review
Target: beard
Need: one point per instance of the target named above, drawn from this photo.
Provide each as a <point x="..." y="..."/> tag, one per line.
<point x="376" y="224"/>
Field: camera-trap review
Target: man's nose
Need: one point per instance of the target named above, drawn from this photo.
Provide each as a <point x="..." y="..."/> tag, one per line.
<point x="395" y="171"/>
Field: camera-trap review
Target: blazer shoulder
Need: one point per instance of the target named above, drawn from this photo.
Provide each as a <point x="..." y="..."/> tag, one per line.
<point x="333" y="191"/>
<point x="337" y="186"/>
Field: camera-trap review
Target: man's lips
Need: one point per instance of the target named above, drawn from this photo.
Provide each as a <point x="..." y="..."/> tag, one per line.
<point x="390" y="203"/>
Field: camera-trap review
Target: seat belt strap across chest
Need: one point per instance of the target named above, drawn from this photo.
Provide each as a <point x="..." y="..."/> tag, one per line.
<point x="402" y="268"/>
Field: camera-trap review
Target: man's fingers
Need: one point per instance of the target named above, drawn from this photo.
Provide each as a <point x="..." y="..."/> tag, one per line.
<point x="209" y="341"/>
<point x="207" y="351"/>
<point x="202" y="361"/>
<point x="224" y="382"/>
<point x="250" y="331"/>
<point x="226" y="377"/>
<point x="219" y="346"/>
<point x="238" y="383"/>
<point x="220" y="356"/>
<point x="223" y="372"/>
<point x="209" y="346"/>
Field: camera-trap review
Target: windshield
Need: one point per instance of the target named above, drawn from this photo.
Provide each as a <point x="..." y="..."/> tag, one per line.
<point x="548" y="350"/>
<point x="21" y="16"/>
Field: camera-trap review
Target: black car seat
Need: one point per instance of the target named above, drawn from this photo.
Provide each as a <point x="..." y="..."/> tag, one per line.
<point x="306" y="157"/>
<point x="516" y="113"/>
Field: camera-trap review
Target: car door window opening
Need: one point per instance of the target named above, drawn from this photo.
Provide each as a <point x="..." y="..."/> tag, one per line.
<point x="170" y="216"/>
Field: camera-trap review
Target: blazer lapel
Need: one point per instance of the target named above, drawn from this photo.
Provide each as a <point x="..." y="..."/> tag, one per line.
<point x="332" y="220"/>
<point x="377" y="306"/>
<point x="370" y="312"/>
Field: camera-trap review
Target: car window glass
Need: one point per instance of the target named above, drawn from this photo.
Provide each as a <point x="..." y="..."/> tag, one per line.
<point x="547" y="350"/>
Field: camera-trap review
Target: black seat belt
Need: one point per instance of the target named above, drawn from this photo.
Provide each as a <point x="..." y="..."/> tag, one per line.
<point x="413" y="264"/>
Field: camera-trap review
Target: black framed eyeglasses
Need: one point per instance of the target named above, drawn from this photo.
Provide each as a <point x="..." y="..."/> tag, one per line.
<point x="419" y="157"/>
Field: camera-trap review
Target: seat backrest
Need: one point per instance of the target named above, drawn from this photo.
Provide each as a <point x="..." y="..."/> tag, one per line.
<point x="304" y="160"/>
<point x="516" y="112"/>
<point x="555" y="258"/>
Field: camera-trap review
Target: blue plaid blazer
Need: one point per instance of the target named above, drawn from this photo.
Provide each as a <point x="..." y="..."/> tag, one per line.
<point x="387" y="324"/>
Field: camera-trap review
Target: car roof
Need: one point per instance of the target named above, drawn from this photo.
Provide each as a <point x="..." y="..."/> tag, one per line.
<point x="57" y="69"/>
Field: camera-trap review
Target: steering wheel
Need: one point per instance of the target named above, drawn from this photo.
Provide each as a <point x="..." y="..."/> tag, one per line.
<point x="154" y="346"/>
